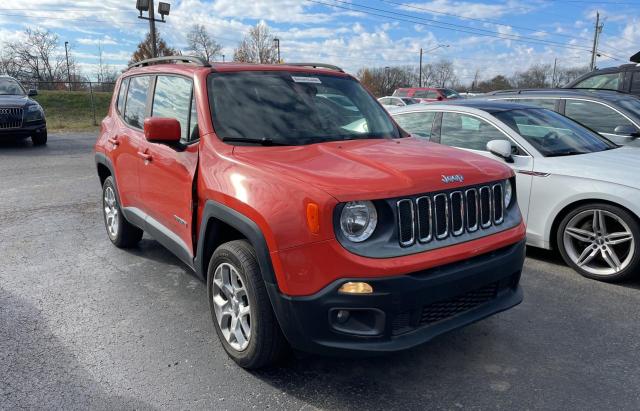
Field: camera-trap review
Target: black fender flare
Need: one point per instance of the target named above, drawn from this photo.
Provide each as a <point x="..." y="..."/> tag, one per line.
<point x="245" y="226"/>
<point x="102" y="159"/>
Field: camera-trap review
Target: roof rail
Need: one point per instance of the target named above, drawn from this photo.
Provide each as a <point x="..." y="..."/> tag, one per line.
<point x="165" y="59"/>
<point x="316" y="65"/>
<point x="520" y="90"/>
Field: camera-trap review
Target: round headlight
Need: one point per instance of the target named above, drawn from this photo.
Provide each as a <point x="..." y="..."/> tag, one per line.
<point x="358" y="220"/>
<point x="508" y="193"/>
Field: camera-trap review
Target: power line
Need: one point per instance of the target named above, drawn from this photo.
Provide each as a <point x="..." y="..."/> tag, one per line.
<point x="459" y="28"/>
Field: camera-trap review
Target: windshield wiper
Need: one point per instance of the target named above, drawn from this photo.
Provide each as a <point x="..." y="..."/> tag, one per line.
<point x="262" y="141"/>
<point x="567" y="153"/>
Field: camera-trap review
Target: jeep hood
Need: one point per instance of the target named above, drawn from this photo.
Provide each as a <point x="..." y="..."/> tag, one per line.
<point x="374" y="169"/>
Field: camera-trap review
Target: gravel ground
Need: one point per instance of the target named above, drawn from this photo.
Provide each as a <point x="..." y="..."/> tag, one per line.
<point x="86" y="325"/>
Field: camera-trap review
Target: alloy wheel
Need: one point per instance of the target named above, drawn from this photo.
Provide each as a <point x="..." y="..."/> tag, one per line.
<point x="231" y="306"/>
<point x="111" y="212"/>
<point x="599" y="242"/>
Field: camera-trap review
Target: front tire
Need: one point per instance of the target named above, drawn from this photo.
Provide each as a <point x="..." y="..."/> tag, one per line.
<point x="39" y="139"/>
<point x="122" y="233"/>
<point x="240" y="307"/>
<point x="601" y="242"/>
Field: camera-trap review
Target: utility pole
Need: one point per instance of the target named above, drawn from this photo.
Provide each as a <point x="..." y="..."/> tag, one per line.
<point x="66" y="52"/>
<point x="553" y="76"/>
<point x="420" y="78"/>
<point x="223" y="58"/>
<point x="596" y="38"/>
<point x="163" y="9"/>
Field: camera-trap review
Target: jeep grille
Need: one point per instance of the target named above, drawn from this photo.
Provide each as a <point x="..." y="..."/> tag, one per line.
<point x="437" y="216"/>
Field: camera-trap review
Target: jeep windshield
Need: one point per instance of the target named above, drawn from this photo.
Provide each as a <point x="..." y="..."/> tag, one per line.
<point x="10" y="87"/>
<point x="294" y="108"/>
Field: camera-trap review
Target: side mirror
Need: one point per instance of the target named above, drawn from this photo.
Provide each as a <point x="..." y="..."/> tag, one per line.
<point x="627" y="130"/>
<point x="500" y="148"/>
<point x="32" y="93"/>
<point x="162" y="130"/>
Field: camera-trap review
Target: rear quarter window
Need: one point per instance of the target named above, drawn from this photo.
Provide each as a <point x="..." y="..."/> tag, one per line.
<point x="122" y="95"/>
<point x="136" y="106"/>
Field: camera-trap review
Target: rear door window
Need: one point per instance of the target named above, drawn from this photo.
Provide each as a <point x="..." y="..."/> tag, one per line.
<point x="418" y="124"/>
<point x="136" y="107"/>
<point x="609" y="81"/>
<point x="596" y="116"/>
<point x="172" y="99"/>
<point x="465" y="131"/>
<point x="635" y="82"/>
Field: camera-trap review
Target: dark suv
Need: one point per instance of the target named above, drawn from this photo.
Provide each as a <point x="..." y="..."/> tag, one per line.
<point x="612" y="114"/>
<point x="20" y="116"/>
<point x="625" y="78"/>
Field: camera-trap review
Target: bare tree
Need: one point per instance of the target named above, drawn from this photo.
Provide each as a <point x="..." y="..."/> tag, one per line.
<point x="257" y="47"/>
<point x="105" y="73"/>
<point x="498" y="82"/>
<point x="384" y="81"/>
<point x="202" y="44"/>
<point x="145" y="49"/>
<point x="444" y="74"/>
<point x="536" y="76"/>
<point x="36" y="56"/>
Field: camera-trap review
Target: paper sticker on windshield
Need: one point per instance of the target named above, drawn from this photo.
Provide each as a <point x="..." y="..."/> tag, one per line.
<point x="313" y="80"/>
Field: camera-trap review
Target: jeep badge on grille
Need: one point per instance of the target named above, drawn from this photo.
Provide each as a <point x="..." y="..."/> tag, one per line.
<point x="456" y="178"/>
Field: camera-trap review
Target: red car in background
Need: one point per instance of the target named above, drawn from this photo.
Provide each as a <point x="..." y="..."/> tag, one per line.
<point x="427" y="94"/>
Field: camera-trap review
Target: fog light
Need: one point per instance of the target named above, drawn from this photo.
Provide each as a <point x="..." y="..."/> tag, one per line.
<point x="356" y="288"/>
<point x="342" y="316"/>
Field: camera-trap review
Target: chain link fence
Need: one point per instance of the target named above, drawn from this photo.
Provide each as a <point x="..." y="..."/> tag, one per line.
<point x="72" y="106"/>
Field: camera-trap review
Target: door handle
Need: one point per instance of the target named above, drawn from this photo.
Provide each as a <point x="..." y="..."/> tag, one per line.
<point x="114" y="141"/>
<point x="145" y="156"/>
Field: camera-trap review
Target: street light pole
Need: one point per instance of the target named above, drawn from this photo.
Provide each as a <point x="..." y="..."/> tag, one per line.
<point x="276" y="44"/>
<point x="163" y="9"/>
<point x="152" y="30"/>
<point x="66" y="52"/>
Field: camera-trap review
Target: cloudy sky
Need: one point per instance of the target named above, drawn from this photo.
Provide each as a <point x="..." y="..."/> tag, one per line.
<point x="493" y="37"/>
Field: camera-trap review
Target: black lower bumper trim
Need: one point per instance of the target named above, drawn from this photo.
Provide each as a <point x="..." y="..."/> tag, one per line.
<point x="404" y="311"/>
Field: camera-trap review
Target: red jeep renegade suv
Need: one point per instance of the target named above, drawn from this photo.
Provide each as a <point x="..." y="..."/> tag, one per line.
<point x="316" y="226"/>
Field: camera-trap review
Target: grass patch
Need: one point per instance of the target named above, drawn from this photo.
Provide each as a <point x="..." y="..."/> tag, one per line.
<point x="70" y="111"/>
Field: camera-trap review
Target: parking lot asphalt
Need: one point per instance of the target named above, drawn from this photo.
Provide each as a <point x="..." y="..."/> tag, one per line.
<point x="86" y="325"/>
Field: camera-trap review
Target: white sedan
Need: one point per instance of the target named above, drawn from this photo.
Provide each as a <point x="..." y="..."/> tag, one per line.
<point x="393" y="102"/>
<point x="578" y="192"/>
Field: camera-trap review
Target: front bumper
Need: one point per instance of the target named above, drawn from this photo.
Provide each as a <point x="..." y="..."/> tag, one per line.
<point x="27" y="130"/>
<point x="404" y="311"/>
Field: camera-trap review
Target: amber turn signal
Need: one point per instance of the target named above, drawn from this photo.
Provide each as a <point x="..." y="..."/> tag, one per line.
<point x="356" y="288"/>
<point x="313" y="218"/>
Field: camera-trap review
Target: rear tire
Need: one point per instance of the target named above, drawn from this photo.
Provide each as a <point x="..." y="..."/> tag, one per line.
<point x="122" y="233"/>
<point x="39" y="139"/>
<point x="240" y="308"/>
<point x="601" y="242"/>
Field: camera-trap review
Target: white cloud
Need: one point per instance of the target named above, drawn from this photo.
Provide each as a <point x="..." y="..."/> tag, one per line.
<point x="465" y="8"/>
<point x="106" y="40"/>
